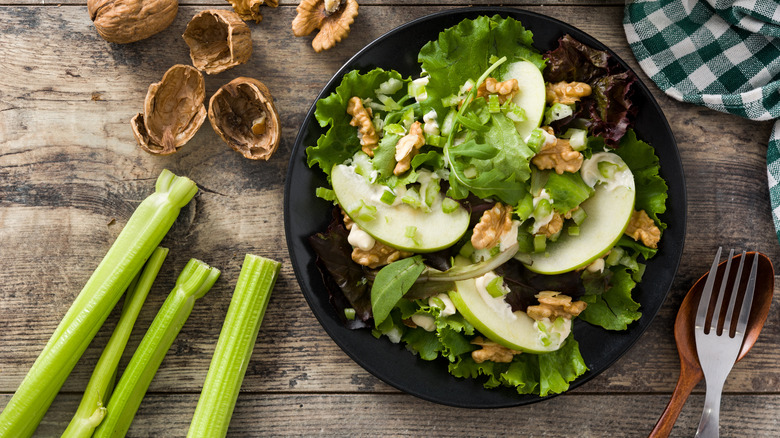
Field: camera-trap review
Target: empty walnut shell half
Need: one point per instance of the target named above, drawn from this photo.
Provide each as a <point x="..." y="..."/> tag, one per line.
<point x="127" y="21"/>
<point x="331" y="17"/>
<point x="218" y="40"/>
<point x="242" y="112"/>
<point x="173" y="111"/>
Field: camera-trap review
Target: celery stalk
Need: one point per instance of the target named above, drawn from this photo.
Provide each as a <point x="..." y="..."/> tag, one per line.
<point x="92" y="408"/>
<point x="194" y="281"/>
<point x="144" y="231"/>
<point x="234" y="347"/>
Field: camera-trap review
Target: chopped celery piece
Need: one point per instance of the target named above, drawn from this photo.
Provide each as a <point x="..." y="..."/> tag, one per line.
<point x="417" y="90"/>
<point x="434" y="140"/>
<point x="543" y="209"/>
<point x="364" y="212"/>
<point x="448" y="205"/>
<point x="411" y="233"/>
<point x="493" y="104"/>
<point x="496" y="287"/>
<point x="408" y="118"/>
<point x="514" y="112"/>
<point x="389" y="86"/>
<point x="578" y="139"/>
<point x="450" y="100"/>
<point x="436" y="302"/>
<point x="525" y="207"/>
<point x="607" y="169"/>
<point x="350" y="313"/>
<point x="234" y="347"/>
<point x="615" y="254"/>
<point x="449" y="122"/>
<point x="540" y="243"/>
<point x="431" y="190"/>
<point x="573" y="230"/>
<point x="194" y="281"/>
<point x="412" y="198"/>
<point x="139" y="238"/>
<point x="629" y="262"/>
<point x="92" y="408"/>
<point x="395" y="128"/>
<point x="388" y="197"/>
<point x="389" y="103"/>
<point x="578" y="216"/>
<point x="557" y="111"/>
<point x="326" y="194"/>
<point x="535" y="140"/>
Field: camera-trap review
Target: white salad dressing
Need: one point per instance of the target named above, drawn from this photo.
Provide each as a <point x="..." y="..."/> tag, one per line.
<point x="497" y="304"/>
<point x="360" y="239"/>
<point x="431" y="126"/>
<point x="591" y="174"/>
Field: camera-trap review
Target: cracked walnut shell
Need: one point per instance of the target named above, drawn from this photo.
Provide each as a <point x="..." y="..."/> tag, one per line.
<point x="242" y="112"/>
<point x="250" y="9"/>
<point x="218" y="40"/>
<point x="127" y="21"/>
<point x="331" y="17"/>
<point x="173" y="111"/>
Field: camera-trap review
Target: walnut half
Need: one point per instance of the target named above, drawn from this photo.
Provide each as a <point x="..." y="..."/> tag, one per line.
<point x="332" y="17"/>
<point x="554" y="304"/>
<point x="642" y="228"/>
<point x="492" y="351"/>
<point x="218" y="40"/>
<point x="173" y="111"/>
<point x="242" y="112"/>
<point x="492" y="225"/>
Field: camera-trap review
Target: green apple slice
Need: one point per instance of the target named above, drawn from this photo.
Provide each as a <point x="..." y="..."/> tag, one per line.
<point x="398" y="225"/>
<point x="609" y="210"/>
<point x="532" y="96"/>
<point x="515" y="330"/>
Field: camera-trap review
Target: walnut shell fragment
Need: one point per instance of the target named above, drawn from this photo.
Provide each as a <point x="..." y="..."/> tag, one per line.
<point x="331" y="17"/>
<point x="173" y="111"/>
<point x="250" y="9"/>
<point x="242" y="112"/>
<point x="218" y="40"/>
<point x="127" y="21"/>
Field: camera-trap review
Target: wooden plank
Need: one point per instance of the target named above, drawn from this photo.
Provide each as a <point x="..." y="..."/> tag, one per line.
<point x="405" y="416"/>
<point x="69" y="166"/>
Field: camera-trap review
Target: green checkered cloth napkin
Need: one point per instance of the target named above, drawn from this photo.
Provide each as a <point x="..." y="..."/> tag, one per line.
<point x="721" y="54"/>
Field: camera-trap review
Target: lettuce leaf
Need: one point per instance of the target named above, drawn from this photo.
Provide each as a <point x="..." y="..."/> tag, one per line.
<point x="651" y="189"/>
<point x="542" y="374"/>
<point x="608" y="109"/>
<point x="340" y="142"/>
<point x="613" y="308"/>
<point x="463" y="52"/>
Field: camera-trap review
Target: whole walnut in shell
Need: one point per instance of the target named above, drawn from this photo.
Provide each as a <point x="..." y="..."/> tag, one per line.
<point x="218" y="40"/>
<point x="331" y="17"/>
<point x="242" y="112"/>
<point x="173" y="111"/>
<point x="127" y="21"/>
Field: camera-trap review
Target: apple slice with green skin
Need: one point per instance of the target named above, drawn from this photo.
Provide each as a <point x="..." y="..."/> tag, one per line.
<point x="609" y="209"/>
<point x="518" y="332"/>
<point x="398" y="225"/>
<point x="531" y="97"/>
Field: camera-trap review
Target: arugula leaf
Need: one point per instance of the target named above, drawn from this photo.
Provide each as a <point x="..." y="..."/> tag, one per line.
<point x="340" y="142"/>
<point x="391" y="283"/>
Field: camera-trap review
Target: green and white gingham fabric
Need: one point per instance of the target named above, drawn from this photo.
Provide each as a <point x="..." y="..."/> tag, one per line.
<point x="718" y="53"/>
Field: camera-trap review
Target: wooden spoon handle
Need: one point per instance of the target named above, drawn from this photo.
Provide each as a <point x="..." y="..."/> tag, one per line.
<point x="682" y="390"/>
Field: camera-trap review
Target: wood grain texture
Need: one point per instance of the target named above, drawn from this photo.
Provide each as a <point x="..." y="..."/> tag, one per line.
<point x="71" y="174"/>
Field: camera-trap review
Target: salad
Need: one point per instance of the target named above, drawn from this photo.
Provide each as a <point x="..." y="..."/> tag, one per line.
<point x="484" y="205"/>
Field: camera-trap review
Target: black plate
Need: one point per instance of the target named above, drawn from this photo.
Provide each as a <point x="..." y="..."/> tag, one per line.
<point x="304" y="215"/>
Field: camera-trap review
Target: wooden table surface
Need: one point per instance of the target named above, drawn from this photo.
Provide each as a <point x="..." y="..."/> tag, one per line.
<point x="71" y="174"/>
